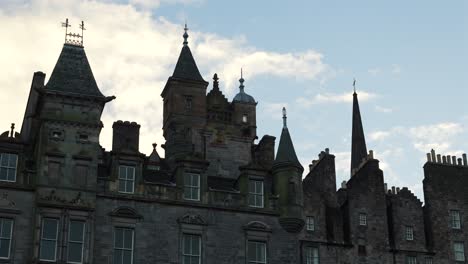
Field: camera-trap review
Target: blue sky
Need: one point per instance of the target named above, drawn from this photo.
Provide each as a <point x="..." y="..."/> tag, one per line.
<point x="410" y="59"/>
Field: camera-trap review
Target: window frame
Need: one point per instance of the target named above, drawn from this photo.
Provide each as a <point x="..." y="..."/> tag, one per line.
<point x="428" y="260"/>
<point x="362" y="219"/>
<point x="126" y="179"/>
<point x="82" y="242"/>
<point x="462" y="251"/>
<point x="189" y="186"/>
<point x="7" y="167"/>
<point x="310" y="223"/>
<point x="411" y="260"/>
<point x="455" y="219"/>
<point x="10" y="239"/>
<point x="257" y="242"/>
<point x="255" y="194"/>
<point x="57" y="221"/>
<point x="190" y="255"/>
<point x="409" y="233"/>
<point x="312" y="258"/>
<point x="123" y="249"/>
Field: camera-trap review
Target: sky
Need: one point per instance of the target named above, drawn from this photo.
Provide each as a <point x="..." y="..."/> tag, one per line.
<point x="410" y="60"/>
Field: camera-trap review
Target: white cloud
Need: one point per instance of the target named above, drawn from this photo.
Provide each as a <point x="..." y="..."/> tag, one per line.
<point x="396" y="69"/>
<point x="374" y="71"/>
<point x="131" y="54"/>
<point x="382" y="109"/>
<point x="333" y="98"/>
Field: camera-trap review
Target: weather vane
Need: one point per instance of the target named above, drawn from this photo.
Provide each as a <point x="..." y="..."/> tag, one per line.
<point x="354" y="85"/>
<point x="73" y="38"/>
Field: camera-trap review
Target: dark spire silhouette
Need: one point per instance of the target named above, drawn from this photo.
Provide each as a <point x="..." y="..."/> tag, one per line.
<point x="286" y="153"/>
<point x="72" y="74"/>
<point x="358" y="141"/>
<point x="186" y="68"/>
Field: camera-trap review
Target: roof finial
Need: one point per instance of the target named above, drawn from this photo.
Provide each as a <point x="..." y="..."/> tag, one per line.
<point x="12" y="130"/>
<point x="154" y="146"/>
<point x="82" y="31"/>
<point x="284" y="118"/>
<point x="241" y="80"/>
<point x="66" y="25"/>
<point x="354" y="85"/>
<point x="185" y="34"/>
<point x="215" y="82"/>
<point x="72" y="38"/>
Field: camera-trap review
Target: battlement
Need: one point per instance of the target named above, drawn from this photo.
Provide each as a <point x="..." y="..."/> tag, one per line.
<point x="321" y="155"/>
<point x="432" y="157"/>
<point x="403" y="193"/>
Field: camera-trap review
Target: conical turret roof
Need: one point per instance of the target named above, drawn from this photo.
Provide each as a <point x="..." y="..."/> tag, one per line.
<point x="72" y="73"/>
<point x="186" y="68"/>
<point x="286" y="153"/>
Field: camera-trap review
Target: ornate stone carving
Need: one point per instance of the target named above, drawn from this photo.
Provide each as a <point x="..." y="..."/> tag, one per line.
<point x="5" y="202"/>
<point x="193" y="219"/>
<point x="257" y="226"/>
<point x="126" y="212"/>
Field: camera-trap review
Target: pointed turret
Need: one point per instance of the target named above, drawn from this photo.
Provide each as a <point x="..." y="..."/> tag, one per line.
<point x="287" y="177"/>
<point x="358" y="141"/>
<point x="72" y="73"/>
<point x="286" y="154"/>
<point x="186" y="68"/>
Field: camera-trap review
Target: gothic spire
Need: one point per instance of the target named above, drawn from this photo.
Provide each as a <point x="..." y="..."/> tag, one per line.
<point x="186" y="68"/>
<point x="286" y="153"/>
<point x="358" y="141"/>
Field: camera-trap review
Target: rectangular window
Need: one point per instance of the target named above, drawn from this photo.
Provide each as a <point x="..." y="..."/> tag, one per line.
<point x="312" y="255"/>
<point x="76" y="232"/>
<point x="8" y="164"/>
<point x="459" y="251"/>
<point x="409" y="233"/>
<point x="256" y="252"/>
<point x="6" y="231"/>
<point x="455" y="219"/>
<point x="310" y="223"/>
<point x="362" y="219"/>
<point x="428" y="260"/>
<point x="123" y="245"/>
<point x="192" y="186"/>
<point x="49" y="235"/>
<point x="411" y="260"/>
<point x="191" y="249"/>
<point x="126" y="179"/>
<point x="256" y="193"/>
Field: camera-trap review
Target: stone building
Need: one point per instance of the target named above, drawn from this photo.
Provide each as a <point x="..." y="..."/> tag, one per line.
<point x="217" y="196"/>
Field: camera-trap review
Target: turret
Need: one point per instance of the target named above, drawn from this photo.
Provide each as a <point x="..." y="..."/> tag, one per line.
<point x="245" y="111"/>
<point x="287" y="177"/>
<point x="184" y="112"/>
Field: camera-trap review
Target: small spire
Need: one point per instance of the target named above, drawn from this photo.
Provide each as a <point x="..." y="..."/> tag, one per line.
<point x="185" y="35"/>
<point x="215" y="82"/>
<point x="12" y="130"/>
<point x="241" y="80"/>
<point x="284" y="118"/>
<point x="354" y="85"/>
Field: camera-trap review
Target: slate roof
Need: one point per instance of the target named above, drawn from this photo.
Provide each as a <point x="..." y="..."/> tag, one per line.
<point x="358" y="141"/>
<point x="286" y="152"/>
<point x="72" y="73"/>
<point x="186" y="68"/>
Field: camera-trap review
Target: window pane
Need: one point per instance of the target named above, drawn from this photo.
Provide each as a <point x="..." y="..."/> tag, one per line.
<point x="127" y="257"/>
<point x="47" y="250"/>
<point x="3" y="174"/>
<point x="122" y="172"/>
<point x="49" y="229"/>
<point x="6" y="228"/>
<point x="196" y="245"/>
<point x="128" y="239"/>
<point x="11" y="175"/>
<point x="5" y="248"/>
<point x="118" y="254"/>
<point x="12" y="160"/>
<point x="187" y="193"/>
<point x="261" y="252"/>
<point x="75" y="252"/>
<point x="129" y="187"/>
<point x="76" y="231"/>
<point x="4" y="160"/>
<point x="121" y="185"/>
<point x="251" y="251"/>
<point x="186" y="260"/>
<point x="130" y="173"/>
<point x="118" y="239"/>
<point x="195" y="260"/>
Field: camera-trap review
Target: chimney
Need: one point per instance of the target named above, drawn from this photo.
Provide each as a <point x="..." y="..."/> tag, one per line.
<point x="454" y="160"/>
<point x="343" y="184"/>
<point x="433" y="155"/>
<point x="438" y="158"/>
<point x="126" y="136"/>
<point x="464" y="159"/>
<point x="38" y="80"/>
<point x="428" y="157"/>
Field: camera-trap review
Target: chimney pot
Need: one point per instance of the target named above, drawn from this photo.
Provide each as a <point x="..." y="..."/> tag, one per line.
<point x="438" y="158"/>
<point x="444" y="159"/>
<point x="454" y="160"/>
<point x="459" y="161"/>
<point x="428" y="157"/>
<point x="449" y="159"/>
<point x="464" y="159"/>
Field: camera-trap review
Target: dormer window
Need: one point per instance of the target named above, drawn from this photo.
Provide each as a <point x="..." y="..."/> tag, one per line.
<point x="8" y="165"/>
<point x="244" y="118"/>
<point x="126" y="179"/>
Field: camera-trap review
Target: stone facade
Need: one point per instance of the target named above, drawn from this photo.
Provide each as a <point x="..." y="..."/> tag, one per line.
<point x="71" y="201"/>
